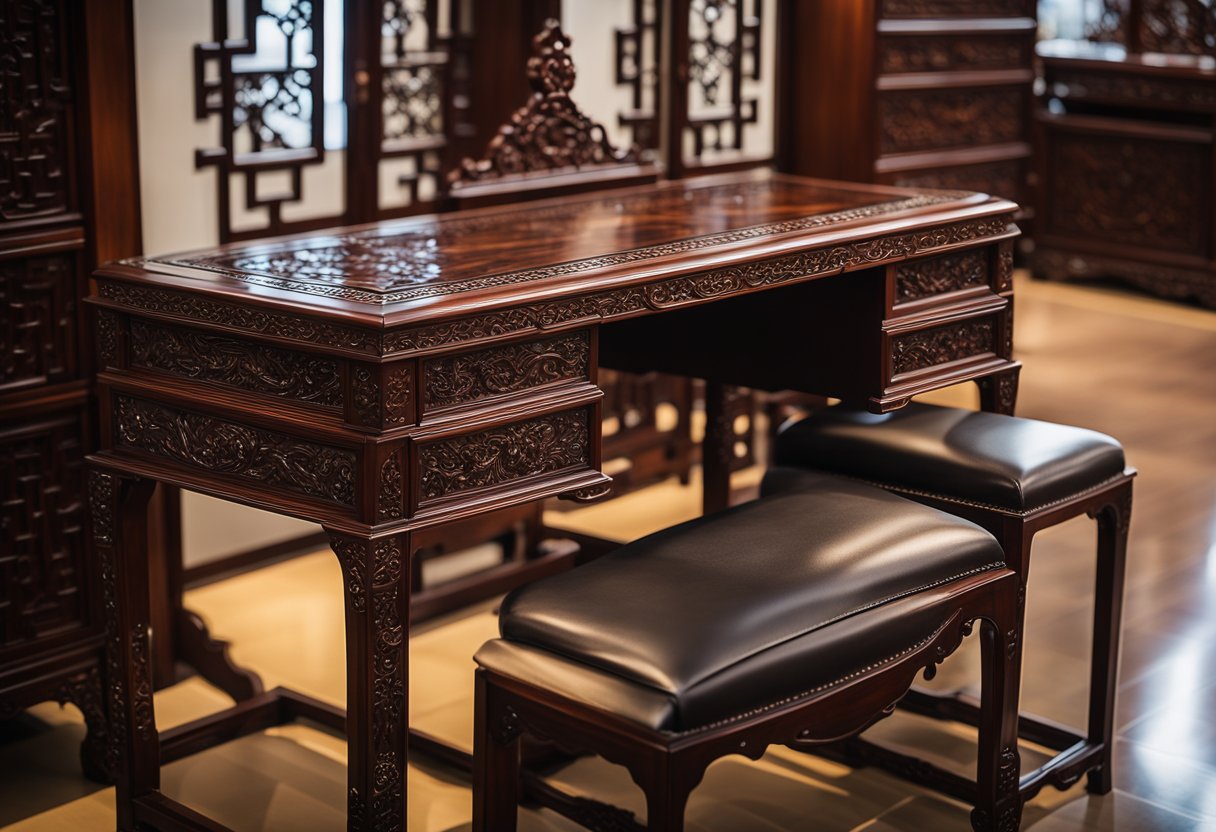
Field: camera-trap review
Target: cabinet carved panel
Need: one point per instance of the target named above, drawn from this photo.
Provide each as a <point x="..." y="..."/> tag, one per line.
<point x="951" y="53"/>
<point x="202" y="356"/>
<point x="1137" y="191"/>
<point x="220" y="446"/>
<point x="35" y="112"/>
<point x="996" y="178"/>
<point x="502" y="454"/>
<point x="954" y="8"/>
<point x="470" y="377"/>
<point x="42" y="546"/>
<point x="37" y="320"/>
<point x="911" y="120"/>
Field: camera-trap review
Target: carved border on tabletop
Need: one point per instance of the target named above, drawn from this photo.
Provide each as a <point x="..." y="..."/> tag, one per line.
<point x="691" y="288"/>
<point x="503" y="454"/>
<point x="469" y="377"/>
<point x="252" y="366"/>
<point x="938" y="275"/>
<point x="931" y="347"/>
<point x="457" y="227"/>
<point x="196" y="308"/>
<point x="234" y="449"/>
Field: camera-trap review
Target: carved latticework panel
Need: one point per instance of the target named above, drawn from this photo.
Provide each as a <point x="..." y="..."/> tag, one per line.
<point x="37" y="320"/>
<point x="414" y="66"/>
<point x="35" y="112"/>
<point x="637" y="67"/>
<point x="266" y="89"/>
<point x="1178" y="26"/>
<point x="723" y="52"/>
<point x="42" y="545"/>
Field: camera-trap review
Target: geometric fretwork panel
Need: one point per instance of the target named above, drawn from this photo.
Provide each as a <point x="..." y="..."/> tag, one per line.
<point x="724" y="49"/>
<point x="35" y="111"/>
<point x="37" y="320"/>
<point x="42" y="517"/>
<point x="265" y="87"/>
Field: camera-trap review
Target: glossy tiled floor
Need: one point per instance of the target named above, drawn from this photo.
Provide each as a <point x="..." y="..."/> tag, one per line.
<point x="1139" y="369"/>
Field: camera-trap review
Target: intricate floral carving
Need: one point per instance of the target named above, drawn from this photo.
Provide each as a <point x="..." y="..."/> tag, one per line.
<point x="1004" y="267"/>
<point x="398" y="387"/>
<point x="386" y="561"/>
<point x="549" y="132"/>
<point x="84" y="690"/>
<point x="469" y="377"/>
<point x="107" y="338"/>
<point x="234" y="449"/>
<point x="389" y="501"/>
<point x="102" y="499"/>
<point x="931" y="347"/>
<point x="911" y="120"/>
<point x="351" y="555"/>
<point x="937" y="275"/>
<point x="247" y="365"/>
<point x="955" y="8"/>
<point x="502" y="454"/>
<point x="101" y="494"/>
<point x="141" y="675"/>
<point x="238" y="316"/>
<point x="365" y="394"/>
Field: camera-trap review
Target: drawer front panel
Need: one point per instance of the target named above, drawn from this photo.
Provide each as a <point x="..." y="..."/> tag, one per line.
<point x="468" y="378"/>
<point x="922" y="279"/>
<point x="940" y="53"/>
<point x="233" y="362"/>
<point x="38" y="327"/>
<point x="1004" y="178"/>
<point x="937" y="119"/>
<point x="928" y="348"/>
<point x="504" y="454"/>
<point x="235" y="450"/>
<point x="43" y="585"/>
<point x="957" y="8"/>
<point x="1131" y="190"/>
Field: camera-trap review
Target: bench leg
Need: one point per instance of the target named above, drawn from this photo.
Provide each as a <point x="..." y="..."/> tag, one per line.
<point x="1113" y="521"/>
<point x="667" y="782"/>
<point x="496" y="756"/>
<point x="998" y="800"/>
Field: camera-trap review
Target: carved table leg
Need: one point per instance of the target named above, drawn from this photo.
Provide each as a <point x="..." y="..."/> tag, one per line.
<point x="999" y="392"/>
<point x="716" y="449"/>
<point x="376" y="578"/>
<point x="87" y="692"/>
<point x="119" y="511"/>
<point x="1114" y="521"/>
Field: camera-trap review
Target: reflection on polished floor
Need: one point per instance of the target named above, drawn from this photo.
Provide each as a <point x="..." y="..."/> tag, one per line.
<point x="1153" y="389"/>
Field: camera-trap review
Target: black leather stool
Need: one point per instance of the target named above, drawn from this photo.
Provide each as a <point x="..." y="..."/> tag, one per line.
<point x="796" y="620"/>
<point x="1014" y="477"/>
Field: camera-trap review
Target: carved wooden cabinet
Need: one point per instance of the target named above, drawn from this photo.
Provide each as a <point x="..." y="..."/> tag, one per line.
<point x="922" y="93"/>
<point x="1127" y="174"/>
<point x="51" y="235"/>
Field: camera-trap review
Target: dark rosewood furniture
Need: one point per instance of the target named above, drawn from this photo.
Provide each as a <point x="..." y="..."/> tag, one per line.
<point x="922" y="93"/>
<point x="69" y="199"/>
<point x="1015" y="477"/>
<point x="1126" y="171"/>
<point x="796" y="619"/>
<point x="387" y="379"/>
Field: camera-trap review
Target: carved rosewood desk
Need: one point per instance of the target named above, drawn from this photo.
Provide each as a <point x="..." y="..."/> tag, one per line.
<point x="388" y="378"/>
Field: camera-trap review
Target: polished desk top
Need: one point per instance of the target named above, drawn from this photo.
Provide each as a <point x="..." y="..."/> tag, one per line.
<point x="430" y="267"/>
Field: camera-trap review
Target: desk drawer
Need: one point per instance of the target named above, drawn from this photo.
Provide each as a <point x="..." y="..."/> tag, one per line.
<point x="480" y="377"/>
<point x="517" y="454"/>
<point x="944" y="348"/>
<point x="938" y="53"/>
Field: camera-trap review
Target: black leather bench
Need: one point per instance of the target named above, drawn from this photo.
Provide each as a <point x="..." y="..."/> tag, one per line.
<point x="795" y="619"/>
<point x="1015" y="477"/>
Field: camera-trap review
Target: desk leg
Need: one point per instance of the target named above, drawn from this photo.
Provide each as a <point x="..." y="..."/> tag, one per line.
<point x="999" y="392"/>
<point x="717" y="449"/>
<point x="376" y="579"/>
<point x="119" y="514"/>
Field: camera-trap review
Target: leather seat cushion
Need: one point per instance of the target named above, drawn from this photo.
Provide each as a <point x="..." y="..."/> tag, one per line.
<point x="1003" y="461"/>
<point x="734" y="611"/>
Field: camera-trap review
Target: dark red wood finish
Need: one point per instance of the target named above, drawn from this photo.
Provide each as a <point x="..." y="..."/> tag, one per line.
<point x="385" y="380"/>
